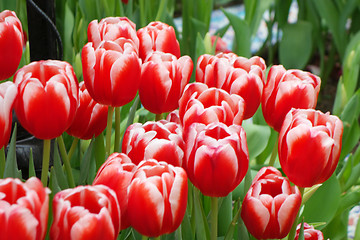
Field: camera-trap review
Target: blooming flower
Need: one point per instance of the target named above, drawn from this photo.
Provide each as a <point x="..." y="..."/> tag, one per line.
<point x="24" y="209"/>
<point x="270" y="206"/>
<point x="309" y="146"/>
<point x="48" y="95"/>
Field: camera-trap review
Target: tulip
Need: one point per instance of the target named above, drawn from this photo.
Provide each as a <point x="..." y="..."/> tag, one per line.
<point x="157" y="198"/>
<point x="112" y="29"/>
<point x="117" y="173"/>
<point x="309" y="233"/>
<point x="158" y="36"/>
<point x="111" y="71"/>
<point x="11" y="43"/>
<point x="23" y="209"/>
<point x="161" y="140"/>
<point x="8" y="93"/>
<point x="163" y="79"/>
<point x="206" y="105"/>
<point x="217" y="157"/>
<point x="85" y="212"/>
<point x="271" y="205"/>
<point x="236" y="75"/>
<point x="221" y="45"/>
<point x="286" y="89"/>
<point x="91" y="117"/>
<point x="48" y="95"/>
<point x="174" y="117"/>
<point x="309" y="146"/>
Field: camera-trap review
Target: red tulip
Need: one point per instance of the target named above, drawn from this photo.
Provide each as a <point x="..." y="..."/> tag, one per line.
<point x="206" y="105"/>
<point x="125" y="1"/>
<point x="309" y="146"/>
<point x="116" y="173"/>
<point x="163" y="79"/>
<point x="158" y="36"/>
<point x="111" y="72"/>
<point x="174" y="117"/>
<point x="85" y="212"/>
<point x="112" y="29"/>
<point x="286" y="89"/>
<point x="271" y="205"/>
<point x="157" y="198"/>
<point x="161" y="140"/>
<point x="8" y="93"/>
<point x="91" y="117"/>
<point x="11" y="43"/>
<point x="217" y="157"/>
<point x="309" y="233"/>
<point x="24" y="209"/>
<point x="221" y="45"/>
<point x="236" y="75"/>
<point x="48" y="95"/>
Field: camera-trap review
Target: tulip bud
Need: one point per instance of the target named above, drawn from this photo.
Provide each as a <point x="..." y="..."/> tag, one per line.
<point x="24" y="209"/>
<point x="271" y="205"/>
<point x="157" y="198"/>
<point x="117" y="173"/>
<point x="309" y="146"/>
<point x="91" y="117"/>
<point x="11" y="43"/>
<point x="286" y="89"/>
<point x="161" y="140"/>
<point x="217" y="157"/>
<point x="158" y="36"/>
<point x="48" y="95"/>
<point x="309" y="233"/>
<point x="85" y="212"/>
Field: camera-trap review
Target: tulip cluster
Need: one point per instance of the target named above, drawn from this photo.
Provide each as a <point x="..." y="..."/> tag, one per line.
<point x="145" y="186"/>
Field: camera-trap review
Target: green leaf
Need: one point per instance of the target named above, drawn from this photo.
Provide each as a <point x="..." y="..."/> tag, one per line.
<point x="257" y="137"/>
<point x="32" y="172"/>
<point x="295" y="46"/>
<point x="99" y="150"/>
<point x="85" y="164"/>
<point x="322" y="206"/>
<point x="58" y="169"/>
<point x="242" y="45"/>
<point x="11" y="168"/>
<point x="301" y="233"/>
<point x="282" y="8"/>
<point x="225" y="215"/>
<point x="201" y="227"/>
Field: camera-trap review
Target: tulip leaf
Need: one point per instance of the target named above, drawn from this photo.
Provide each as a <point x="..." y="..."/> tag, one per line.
<point x="99" y="150"/>
<point x="295" y="47"/>
<point x="11" y="168"/>
<point x="58" y="169"/>
<point x="53" y="183"/>
<point x="301" y="233"/>
<point x="85" y="164"/>
<point x="201" y="226"/>
<point x="242" y="44"/>
<point x="225" y="215"/>
<point x="322" y="206"/>
<point x="32" y="172"/>
<point x="186" y="230"/>
<point x="257" y="137"/>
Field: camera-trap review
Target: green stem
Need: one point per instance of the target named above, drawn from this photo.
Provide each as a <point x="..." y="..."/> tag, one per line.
<point x="73" y="147"/>
<point x="117" y="129"/>
<point x="2" y="161"/>
<point x="158" y="117"/>
<point x="108" y="131"/>
<point x="66" y="161"/>
<point x="45" y="162"/>
<point x="161" y="10"/>
<point x="293" y="228"/>
<point x="214" y="217"/>
<point x="144" y="237"/>
<point x="274" y="152"/>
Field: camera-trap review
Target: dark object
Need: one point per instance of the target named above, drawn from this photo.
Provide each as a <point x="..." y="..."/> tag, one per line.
<point x="45" y="43"/>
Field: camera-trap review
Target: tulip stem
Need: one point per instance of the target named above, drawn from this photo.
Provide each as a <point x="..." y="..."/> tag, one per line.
<point x="2" y="161"/>
<point x="158" y="117"/>
<point x="66" y="161"/>
<point x="108" y="131"/>
<point x="73" y="147"/>
<point x="214" y="217"/>
<point x="45" y="162"/>
<point x="274" y="152"/>
<point x="292" y="232"/>
<point x="117" y="129"/>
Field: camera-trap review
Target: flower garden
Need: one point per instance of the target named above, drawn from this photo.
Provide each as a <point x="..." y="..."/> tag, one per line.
<point x="118" y="125"/>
